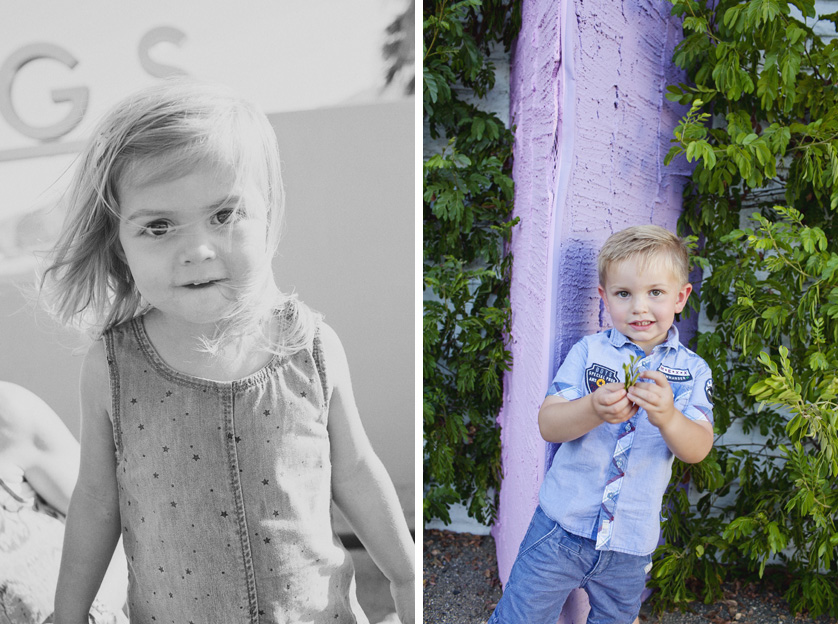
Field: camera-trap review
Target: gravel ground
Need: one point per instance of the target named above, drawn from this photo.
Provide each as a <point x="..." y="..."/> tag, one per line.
<point x="461" y="586"/>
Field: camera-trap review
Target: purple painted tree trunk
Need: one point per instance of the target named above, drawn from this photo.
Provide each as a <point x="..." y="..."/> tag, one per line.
<point x="592" y="128"/>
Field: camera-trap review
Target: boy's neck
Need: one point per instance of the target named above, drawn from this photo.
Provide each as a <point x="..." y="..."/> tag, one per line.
<point x="650" y="349"/>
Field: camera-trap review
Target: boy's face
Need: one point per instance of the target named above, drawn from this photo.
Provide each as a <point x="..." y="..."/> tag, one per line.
<point x="643" y="302"/>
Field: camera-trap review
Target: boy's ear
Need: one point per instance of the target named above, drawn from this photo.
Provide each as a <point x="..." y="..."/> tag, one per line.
<point x="601" y="292"/>
<point x="683" y="295"/>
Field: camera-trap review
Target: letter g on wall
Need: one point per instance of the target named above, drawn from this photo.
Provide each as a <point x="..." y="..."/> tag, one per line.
<point x="77" y="96"/>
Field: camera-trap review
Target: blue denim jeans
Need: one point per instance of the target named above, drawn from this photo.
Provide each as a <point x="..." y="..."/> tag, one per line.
<point x="552" y="562"/>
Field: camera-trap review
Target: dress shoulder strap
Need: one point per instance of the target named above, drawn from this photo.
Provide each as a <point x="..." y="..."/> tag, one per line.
<point x="319" y="362"/>
<point x="115" y="339"/>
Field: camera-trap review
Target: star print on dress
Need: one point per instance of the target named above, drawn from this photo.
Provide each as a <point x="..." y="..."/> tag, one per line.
<point x="280" y="443"/>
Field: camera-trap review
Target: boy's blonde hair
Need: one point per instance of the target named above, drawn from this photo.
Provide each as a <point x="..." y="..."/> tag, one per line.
<point x="645" y="244"/>
<point x="158" y="134"/>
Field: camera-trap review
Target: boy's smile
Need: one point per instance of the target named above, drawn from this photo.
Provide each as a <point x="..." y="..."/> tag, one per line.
<point x="643" y="301"/>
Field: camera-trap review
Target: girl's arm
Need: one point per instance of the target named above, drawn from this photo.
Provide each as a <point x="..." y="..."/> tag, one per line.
<point x="362" y="488"/>
<point x="39" y="443"/>
<point x="93" y="525"/>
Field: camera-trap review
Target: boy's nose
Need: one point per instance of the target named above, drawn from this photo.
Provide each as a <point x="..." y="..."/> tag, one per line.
<point x="640" y="304"/>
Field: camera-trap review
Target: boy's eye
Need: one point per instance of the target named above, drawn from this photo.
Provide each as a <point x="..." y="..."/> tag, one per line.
<point x="655" y="292"/>
<point x="622" y="294"/>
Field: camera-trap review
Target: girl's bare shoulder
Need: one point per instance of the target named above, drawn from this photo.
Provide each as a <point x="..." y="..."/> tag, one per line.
<point x="329" y="338"/>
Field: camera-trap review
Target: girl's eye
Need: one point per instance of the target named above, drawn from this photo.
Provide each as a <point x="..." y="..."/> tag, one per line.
<point x="227" y="215"/>
<point x="157" y="228"/>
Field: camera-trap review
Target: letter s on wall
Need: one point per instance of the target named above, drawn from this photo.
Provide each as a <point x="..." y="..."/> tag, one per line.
<point x="154" y="36"/>
<point x="77" y="96"/>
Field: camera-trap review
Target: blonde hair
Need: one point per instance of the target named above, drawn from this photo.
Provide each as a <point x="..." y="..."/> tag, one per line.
<point x="162" y="133"/>
<point x="644" y="244"/>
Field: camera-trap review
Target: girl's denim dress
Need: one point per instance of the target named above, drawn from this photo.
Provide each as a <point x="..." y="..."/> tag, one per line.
<point x="225" y="491"/>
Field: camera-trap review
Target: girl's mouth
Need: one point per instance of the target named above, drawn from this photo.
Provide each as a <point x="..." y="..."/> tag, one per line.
<point x="199" y="285"/>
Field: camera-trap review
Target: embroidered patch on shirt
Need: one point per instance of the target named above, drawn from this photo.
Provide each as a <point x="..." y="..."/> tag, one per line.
<point x="599" y="375"/>
<point x="677" y="375"/>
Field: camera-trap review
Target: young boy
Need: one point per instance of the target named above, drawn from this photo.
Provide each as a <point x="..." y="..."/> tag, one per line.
<point x="597" y="522"/>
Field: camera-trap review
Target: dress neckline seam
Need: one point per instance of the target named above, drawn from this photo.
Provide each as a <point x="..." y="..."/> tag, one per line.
<point x="171" y="373"/>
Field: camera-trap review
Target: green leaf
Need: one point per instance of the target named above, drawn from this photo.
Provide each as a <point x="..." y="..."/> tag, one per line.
<point x="467" y="221"/>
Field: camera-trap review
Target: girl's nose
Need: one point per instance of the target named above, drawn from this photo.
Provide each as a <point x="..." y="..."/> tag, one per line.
<point x="197" y="248"/>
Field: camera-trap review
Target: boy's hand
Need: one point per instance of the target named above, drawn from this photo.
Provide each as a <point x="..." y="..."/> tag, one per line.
<point x="404" y="596"/>
<point x="611" y="403"/>
<point x="656" y="398"/>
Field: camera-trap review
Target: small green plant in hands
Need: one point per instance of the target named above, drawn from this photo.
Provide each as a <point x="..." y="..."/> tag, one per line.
<point x="632" y="370"/>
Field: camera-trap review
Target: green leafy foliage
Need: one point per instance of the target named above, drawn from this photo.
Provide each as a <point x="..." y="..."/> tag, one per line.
<point x="762" y="130"/>
<point x="467" y="206"/>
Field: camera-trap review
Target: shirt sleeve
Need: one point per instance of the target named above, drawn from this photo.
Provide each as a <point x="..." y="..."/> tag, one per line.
<point x="700" y="403"/>
<point x="569" y="380"/>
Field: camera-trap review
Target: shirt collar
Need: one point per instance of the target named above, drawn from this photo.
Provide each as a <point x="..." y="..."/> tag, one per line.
<point x="673" y="341"/>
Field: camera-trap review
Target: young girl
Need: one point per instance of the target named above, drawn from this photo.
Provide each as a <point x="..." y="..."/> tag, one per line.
<point x="218" y="421"/>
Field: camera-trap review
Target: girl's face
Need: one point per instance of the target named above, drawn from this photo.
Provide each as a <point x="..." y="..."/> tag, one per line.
<point x="194" y="243"/>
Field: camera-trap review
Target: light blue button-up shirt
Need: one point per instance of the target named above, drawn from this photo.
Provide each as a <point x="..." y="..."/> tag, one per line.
<point x="571" y="493"/>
